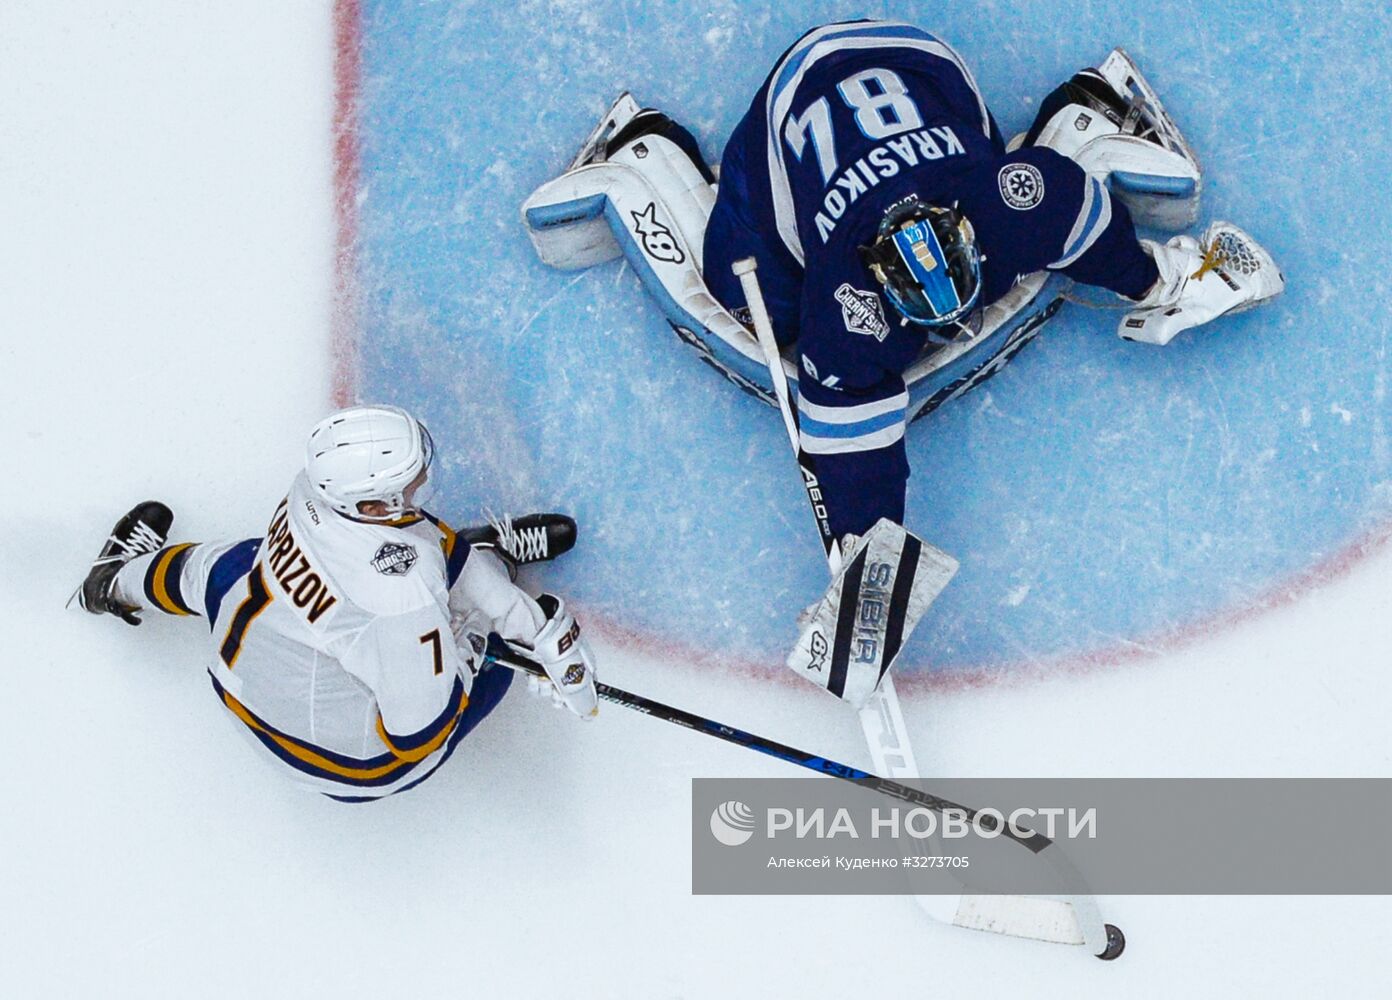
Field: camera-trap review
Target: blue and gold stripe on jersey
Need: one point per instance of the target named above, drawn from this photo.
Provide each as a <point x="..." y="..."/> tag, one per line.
<point x="423" y="743"/>
<point x="162" y="580"/>
<point x="455" y="548"/>
<point x="489" y="688"/>
<point x="401" y="758"/>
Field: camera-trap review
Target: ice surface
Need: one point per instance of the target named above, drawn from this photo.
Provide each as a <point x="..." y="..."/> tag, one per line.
<point x="165" y="265"/>
<point x="1099" y="494"/>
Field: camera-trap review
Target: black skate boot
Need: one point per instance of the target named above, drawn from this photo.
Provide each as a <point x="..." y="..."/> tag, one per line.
<point x="626" y="123"/>
<point x="141" y="531"/>
<point x="523" y="540"/>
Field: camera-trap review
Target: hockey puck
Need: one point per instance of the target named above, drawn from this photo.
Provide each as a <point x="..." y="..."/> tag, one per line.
<point x="1116" y="943"/>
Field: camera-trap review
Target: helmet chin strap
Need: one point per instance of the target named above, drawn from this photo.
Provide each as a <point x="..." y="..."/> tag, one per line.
<point x="404" y="516"/>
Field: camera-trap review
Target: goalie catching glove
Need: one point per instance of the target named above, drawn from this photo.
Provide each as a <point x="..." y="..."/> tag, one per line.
<point x="1225" y="272"/>
<point x="564" y="656"/>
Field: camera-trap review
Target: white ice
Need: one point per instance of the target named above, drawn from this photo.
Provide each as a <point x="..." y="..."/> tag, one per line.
<point x="166" y="240"/>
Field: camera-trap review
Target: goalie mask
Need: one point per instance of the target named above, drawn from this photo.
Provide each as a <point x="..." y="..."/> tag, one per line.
<point x="369" y="453"/>
<point x="928" y="263"/>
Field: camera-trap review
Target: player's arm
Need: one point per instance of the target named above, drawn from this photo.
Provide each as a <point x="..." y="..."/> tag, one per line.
<point x="854" y="434"/>
<point x="1048" y="213"/>
<point x="417" y="675"/>
<point x="543" y="628"/>
<point x="1075" y="217"/>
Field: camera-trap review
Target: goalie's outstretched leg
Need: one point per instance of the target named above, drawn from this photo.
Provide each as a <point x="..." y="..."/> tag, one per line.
<point x="624" y="124"/>
<point x="1110" y="121"/>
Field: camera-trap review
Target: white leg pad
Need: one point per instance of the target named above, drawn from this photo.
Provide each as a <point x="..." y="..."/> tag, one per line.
<point x="1157" y="177"/>
<point x="647" y="203"/>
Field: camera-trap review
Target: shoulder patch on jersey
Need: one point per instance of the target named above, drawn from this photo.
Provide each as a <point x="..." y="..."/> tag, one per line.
<point x="394" y="559"/>
<point x="1021" y="185"/>
<point x="862" y="312"/>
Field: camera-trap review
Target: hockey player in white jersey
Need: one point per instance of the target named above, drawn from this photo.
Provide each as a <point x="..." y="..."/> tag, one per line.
<point x="348" y="643"/>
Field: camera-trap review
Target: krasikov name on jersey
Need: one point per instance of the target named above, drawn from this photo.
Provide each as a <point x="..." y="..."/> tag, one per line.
<point x="881" y="164"/>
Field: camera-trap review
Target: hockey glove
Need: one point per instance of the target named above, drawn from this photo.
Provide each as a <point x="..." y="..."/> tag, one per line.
<point x="565" y="658"/>
<point x="1225" y="272"/>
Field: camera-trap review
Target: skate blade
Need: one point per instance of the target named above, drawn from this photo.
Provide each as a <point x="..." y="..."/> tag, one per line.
<point x="1121" y="71"/>
<point x="620" y="113"/>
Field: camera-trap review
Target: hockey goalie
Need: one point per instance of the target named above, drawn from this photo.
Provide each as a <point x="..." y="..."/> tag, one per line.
<point x="904" y="249"/>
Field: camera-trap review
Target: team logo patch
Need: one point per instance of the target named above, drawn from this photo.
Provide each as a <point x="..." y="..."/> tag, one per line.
<point x="862" y="312"/>
<point x="394" y="559"/>
<point x="575" y="673"/>
<point x="1082" y="122"/>
<point x="1021" y="185"/>
<point x="658" y="241"/>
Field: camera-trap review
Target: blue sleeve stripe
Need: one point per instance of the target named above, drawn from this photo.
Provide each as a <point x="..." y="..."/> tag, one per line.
<point x="850" y="413"/>
<point x="455" y="548"/>
<point x="1093" y="219"/>
<point x="835" y="430"/>
<point x="230" y="567"/>
<point x="821" y="429"/>
<point x="867" y="441"/>
<point x="455" y="558"/>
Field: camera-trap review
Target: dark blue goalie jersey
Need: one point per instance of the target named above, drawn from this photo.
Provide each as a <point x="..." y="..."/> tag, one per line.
<point x="853" y="118"/>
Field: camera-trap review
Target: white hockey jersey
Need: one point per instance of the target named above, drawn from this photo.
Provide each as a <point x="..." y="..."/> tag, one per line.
<point x="336" y="654"/>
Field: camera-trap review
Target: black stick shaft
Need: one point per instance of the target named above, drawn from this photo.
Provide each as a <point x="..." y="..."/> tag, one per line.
<point x="1036" y="842"/>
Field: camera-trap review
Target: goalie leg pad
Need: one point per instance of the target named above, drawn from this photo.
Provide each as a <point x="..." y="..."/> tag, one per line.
<point x="888" y="579"/>
<point x="1112" y="124"/>
<point x="647" y="199"/>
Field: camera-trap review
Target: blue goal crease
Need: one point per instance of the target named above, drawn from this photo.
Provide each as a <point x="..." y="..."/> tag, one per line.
<point x="1094" y="491"/>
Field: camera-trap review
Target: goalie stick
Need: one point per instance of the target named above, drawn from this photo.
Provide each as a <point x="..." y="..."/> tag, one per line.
<point x="881" y="719"/>
<point x="1074" y="920"/>
<point x="1109" y="947"/>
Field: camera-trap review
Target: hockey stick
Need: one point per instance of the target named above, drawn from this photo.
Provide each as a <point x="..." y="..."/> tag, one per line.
<point x="1036" y="843"/>
<point x="882" y="721"/>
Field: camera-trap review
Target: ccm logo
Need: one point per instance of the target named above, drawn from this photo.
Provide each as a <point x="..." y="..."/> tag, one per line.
<point x="569" y="638"/>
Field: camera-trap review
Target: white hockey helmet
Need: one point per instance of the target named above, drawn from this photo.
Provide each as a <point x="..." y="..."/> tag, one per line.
<point x="366" y="453"/>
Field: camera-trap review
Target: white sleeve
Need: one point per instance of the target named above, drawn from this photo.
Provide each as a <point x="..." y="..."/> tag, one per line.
<point x="415" y="673"/>
<point x="483" y="585"/>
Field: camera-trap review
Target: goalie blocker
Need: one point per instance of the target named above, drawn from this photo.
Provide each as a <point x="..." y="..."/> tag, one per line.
<point x="888" y="579"/>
